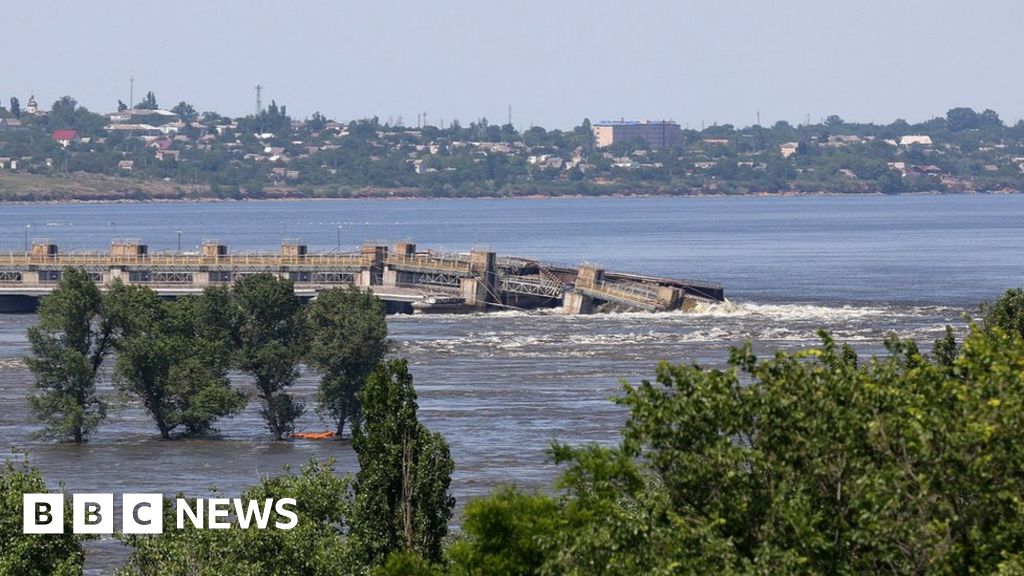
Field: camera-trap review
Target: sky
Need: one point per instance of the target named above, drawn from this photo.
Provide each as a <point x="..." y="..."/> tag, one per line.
<point x="555" y="63"/>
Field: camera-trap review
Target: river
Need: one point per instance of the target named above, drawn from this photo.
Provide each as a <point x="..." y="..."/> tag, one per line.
<point x="502" y="386"/>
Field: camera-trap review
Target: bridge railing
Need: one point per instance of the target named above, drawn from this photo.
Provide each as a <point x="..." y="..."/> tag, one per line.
<point x="431" y="261"/>
<point x="186" y="260"/>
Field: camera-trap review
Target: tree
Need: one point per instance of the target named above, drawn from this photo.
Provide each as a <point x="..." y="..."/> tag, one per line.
<point x="166" y="360"/>
<point x="834" y="121"/>
<point x="401" y="489"/>
<point x="316" y="546"/>
<point x="148" y="103"/>
<point x="269" y="343"/>
<point x="121" y="106"/>
<point x="62" y="113"/>
<point x="508" y="533"/>
<point x="348" y="339"/>
<point x="1006" y="313"/>
<point x="186" y="112"/>
<point x="33" y="554"/>
<point x="958" y="119"/>
<point x="69" y="344"/>
<point x="15" y="107"/>
<point x="317" y="122"/>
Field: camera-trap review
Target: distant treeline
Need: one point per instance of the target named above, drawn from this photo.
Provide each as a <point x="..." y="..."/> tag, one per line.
<point x="184" y="154"/>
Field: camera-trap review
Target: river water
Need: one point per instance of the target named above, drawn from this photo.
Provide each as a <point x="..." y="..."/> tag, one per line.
<point x="502" y="386"/>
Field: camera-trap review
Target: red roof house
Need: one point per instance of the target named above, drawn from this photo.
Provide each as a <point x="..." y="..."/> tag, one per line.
<point x="65" y="137"/>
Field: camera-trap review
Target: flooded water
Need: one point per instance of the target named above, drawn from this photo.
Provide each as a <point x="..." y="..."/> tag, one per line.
<point x="502" y="386"/>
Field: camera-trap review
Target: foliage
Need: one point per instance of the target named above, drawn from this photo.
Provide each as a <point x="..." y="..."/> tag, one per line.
<point x="33" y="554"/>
<point x="185" y="111"/>
<point x="167" y="359"/>
<point x="406" y="564"/>
<point x="402" y="500"/>
<point x="808" y="462"/>
<point x="148" y="102"/>
<point x="509" y="533"/>
<point x="269" y="342"/>
<point x="1006" y="313"/>
<point x="348" y="339"/>
<point x="315" y="547"/>
<point x="68" y="346"/>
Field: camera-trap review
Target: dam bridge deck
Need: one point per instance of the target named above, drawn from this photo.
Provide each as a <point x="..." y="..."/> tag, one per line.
<point x="400" y="275"/>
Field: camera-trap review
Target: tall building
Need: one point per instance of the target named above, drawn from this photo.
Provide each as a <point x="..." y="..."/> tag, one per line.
<point x="655" y="135"/>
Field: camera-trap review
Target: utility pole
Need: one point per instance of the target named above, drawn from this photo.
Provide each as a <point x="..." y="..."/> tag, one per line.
<point x="509" y="114"/>
<point x="131" y="91"/>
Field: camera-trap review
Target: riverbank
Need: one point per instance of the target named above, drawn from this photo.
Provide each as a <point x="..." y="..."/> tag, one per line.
<point x="82" y="188"/>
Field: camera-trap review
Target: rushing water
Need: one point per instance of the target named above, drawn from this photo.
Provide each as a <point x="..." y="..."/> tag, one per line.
<point x="502" y="386"/>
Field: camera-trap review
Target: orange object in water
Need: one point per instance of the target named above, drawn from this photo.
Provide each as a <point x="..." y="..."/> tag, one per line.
<point x="313" y="435"/>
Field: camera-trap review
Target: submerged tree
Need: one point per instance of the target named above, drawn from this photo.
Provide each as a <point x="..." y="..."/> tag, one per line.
<point x="402" y="501"/>
<point x="69" y="344"/>
<point x="167" y="360"/>
<point x="348" y="339"/>
<point x="269" y="342"/>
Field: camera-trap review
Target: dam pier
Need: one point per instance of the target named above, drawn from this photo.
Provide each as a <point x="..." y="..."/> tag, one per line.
<point x="406" y="279"/>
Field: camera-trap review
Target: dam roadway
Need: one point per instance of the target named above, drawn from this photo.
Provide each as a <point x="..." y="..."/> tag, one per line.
<point x="407" y="280"/>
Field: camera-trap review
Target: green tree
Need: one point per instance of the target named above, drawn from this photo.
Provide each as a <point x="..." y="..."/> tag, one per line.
<point x="166" y="360"/>
<point x="402" y="500"/>
<point x="269" y="342"/>
<point x="316" y="546"/>
<point x="15" y="107"/>
<point x="185" y="111"/>
<point x="348" y="339"/>
<point x="959" y="119"/>
<point x="508" y="533"/>
<point x="148" y="102"/>
<point x="69" y="344"/>
<point x="33" y="554"/>
<point x="1006" y="313"/>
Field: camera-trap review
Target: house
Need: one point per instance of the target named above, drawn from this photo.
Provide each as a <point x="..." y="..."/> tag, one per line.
<point x="65" y="137"/>
<point x="916" y="139"/>
<point x="10" y="124"/>
<point x="168" y="154"/>
<point x="126" y="165"/>
<point x="788" y="149"/>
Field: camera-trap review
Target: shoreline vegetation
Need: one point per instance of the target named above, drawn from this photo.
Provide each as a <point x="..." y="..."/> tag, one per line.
<point x="145" y="153"/>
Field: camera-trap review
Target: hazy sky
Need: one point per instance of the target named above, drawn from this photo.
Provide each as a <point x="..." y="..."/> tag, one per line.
<point x="554" y="62"/>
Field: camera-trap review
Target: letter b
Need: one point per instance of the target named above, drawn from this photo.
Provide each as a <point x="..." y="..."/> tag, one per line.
<point x="43" y="513"/>
<point x="93" y="513"/>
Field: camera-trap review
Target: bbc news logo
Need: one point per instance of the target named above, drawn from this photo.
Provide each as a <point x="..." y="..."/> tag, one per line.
<point x="144" y="513"/>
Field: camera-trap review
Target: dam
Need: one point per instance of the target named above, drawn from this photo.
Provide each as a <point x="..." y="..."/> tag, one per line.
<point x="405" y="278"/>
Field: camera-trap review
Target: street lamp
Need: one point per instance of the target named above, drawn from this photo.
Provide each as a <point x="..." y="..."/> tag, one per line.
<point x="339" y="238"/>
<point x="179" y="241"/>
<point x="27" y="227"/>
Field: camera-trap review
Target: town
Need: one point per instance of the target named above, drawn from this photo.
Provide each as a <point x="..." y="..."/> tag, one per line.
<point x="142" y="152"/>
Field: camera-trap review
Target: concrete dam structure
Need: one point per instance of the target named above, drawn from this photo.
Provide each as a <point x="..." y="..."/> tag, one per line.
<point x="406" y="279"/>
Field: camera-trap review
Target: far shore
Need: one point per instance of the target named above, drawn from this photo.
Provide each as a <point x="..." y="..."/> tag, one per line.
<point x="407" y="197"/>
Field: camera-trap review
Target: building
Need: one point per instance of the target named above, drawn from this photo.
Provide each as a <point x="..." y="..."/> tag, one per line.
<point x="654" y="135"/>
<point x="32" y="108"/>
<point x="915" y="139"/>
<point x="65" y="137"/>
